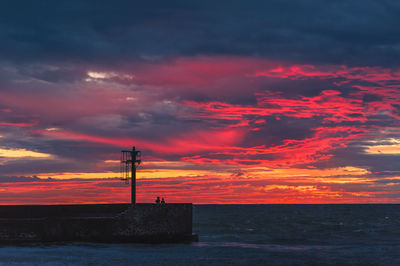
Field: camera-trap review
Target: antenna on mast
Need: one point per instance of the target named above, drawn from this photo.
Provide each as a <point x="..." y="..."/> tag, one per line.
<point x="130" y="160"/>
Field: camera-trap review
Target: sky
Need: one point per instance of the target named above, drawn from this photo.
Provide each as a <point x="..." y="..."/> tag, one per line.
<point x="229" y="101"/>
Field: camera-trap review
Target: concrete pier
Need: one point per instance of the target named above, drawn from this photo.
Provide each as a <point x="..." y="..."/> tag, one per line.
<point x="144" y="223"/>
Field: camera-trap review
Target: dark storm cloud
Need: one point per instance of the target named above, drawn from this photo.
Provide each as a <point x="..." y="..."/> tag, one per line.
<point x="378" y="164"/>
<point x="12" y="179"/>
<point x="20" y="167"/>
<point x="350" y="32"/>
<point x="274" y="131"/>
<point x="53" y="74"/>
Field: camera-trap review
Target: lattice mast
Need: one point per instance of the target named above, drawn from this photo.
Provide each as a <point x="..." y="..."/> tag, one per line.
<point x="130" y="160"/>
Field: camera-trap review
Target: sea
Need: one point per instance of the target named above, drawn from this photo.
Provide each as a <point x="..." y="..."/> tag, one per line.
<point x="349" y="234"/>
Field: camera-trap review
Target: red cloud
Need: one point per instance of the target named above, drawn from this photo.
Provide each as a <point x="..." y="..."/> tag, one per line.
<point x="22" y="124"/>
<point x="361" y="103"/>
<point x="193" y="141"/>
<point x="291" y="152"/>
<point x="196" y="190"/>
<point x="329" y="105"/>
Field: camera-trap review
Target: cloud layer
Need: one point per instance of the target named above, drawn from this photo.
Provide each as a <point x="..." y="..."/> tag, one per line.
<point x="265" y="102"/>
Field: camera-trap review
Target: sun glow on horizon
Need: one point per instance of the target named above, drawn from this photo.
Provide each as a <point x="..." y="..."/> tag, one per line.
<point x="22" y="153"/>
<point x="389" y="147"/>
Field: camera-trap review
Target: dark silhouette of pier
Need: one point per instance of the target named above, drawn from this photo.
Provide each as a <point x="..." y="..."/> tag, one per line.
<point x="130" y="222"/>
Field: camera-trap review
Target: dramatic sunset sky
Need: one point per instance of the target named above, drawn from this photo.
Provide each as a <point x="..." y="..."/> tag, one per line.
<point x="229" y="101"/>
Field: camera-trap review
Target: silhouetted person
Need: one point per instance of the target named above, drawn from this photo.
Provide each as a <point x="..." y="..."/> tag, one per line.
<point x="158" y="200"/>
<point x="162" y="201"/>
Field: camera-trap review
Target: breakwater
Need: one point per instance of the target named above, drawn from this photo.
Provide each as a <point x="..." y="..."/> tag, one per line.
<point x="144" y="223"/>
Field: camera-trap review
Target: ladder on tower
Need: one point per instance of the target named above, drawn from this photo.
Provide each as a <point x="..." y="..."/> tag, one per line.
<point x="130" y="160"/>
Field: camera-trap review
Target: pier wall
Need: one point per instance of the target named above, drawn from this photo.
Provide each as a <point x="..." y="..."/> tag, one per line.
<point x="96" y="222"/>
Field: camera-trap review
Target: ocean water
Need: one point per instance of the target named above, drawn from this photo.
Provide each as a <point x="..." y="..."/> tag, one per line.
<point x="248" y="235"/>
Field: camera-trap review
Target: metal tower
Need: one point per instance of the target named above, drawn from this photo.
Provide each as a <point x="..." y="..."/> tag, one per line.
<point x="130" y="160"/>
